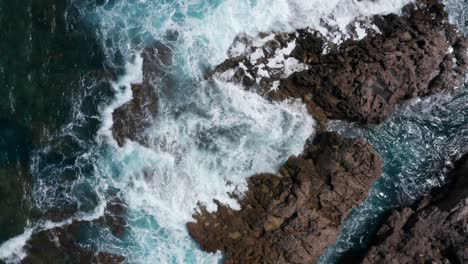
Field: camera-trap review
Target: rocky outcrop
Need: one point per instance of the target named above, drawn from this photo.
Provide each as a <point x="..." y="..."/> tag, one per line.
<point x="436" y="231"/>
<point x="402" y="57"/>
<point x="293" y="216"/>
<point x="134" y="117"/>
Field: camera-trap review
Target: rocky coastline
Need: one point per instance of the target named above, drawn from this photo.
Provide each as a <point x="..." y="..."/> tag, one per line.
<point x="435" y="230"/>
<point x="293" y="216"/>
<point x="416" y="54"/>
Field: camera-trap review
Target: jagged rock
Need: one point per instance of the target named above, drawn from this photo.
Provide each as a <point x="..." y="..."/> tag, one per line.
<point x="293" y="216"/>
<point x="132" y="118"/>
<point x="435" y="231"/>
<point x="416" y="54"/>
<point x="114" y="217"/>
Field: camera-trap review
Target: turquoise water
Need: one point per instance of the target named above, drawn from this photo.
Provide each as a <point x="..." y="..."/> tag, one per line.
<point x="70" y="64"/>
<point x="206" y="135"/>
<point x="418" y="145"/>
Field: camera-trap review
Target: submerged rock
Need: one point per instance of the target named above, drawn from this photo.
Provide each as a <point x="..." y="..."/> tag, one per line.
<point x="435" y="231"/>
<point x="114" y="217"/>
<point x="293" y="216"/>
<point x="62" y="244"/>
<point x="402" y="57"/>
<point x="134" y="117"/>
<point x="67" y="243"/>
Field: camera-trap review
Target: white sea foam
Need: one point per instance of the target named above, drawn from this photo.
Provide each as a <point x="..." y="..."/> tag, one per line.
<point x="197" y="158"/>
<point x="458" y="14"/>
<point x="123" y="93"/>
<point x="216" y="24"/>
<point x="13" y="250"/>
<point x="207" y="139"/>
<point x="233" y="17"/>
<point x="227" y="135"/>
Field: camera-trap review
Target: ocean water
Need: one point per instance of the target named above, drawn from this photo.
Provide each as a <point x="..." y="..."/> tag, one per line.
<point x="71" y="63"/>
<point x="418" y="145"/>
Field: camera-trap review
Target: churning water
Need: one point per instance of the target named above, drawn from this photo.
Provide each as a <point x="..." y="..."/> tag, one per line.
<point x="208" y="137"/>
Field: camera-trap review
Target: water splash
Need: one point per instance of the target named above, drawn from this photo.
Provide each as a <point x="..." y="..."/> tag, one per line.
<point x="207" y="138"/>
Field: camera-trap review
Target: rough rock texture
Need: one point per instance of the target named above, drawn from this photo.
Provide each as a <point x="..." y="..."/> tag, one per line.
<point x="416" y="54"/>
<point x="435" y="232"/>
<point x="293" y="216"/>
<point x="132" y="118"/>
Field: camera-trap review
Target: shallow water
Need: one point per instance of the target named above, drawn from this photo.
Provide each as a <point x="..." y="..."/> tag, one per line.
<point x="207" y="138"/>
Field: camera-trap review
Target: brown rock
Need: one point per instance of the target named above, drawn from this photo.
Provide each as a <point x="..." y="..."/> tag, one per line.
<point x="363" y="80"/>
<point x="436" y="231"/>
<point x="132" y="118"/>
<point x="292" y="217"/>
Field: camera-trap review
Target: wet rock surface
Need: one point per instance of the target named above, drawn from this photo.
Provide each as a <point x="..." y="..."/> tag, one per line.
<point x="132" y="118"/>
<point x="293" y="216"/>
<point x="402" y="57"/>
<point x="435" y="231"/>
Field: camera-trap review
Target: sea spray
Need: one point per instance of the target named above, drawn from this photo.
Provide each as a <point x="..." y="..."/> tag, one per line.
<point x="209" y="137"/>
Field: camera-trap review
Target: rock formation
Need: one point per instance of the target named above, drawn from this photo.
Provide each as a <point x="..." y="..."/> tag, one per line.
<point x="293" y="216"/>
<point x="132" y="118"/>
<point x="436" y="231"/>
<point x="416" y="54"/>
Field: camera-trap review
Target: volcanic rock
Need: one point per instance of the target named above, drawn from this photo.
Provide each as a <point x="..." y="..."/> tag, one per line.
<point x="436" y="231"/>
<point x="293" y="216"/>
<point x="402" y="57"/>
